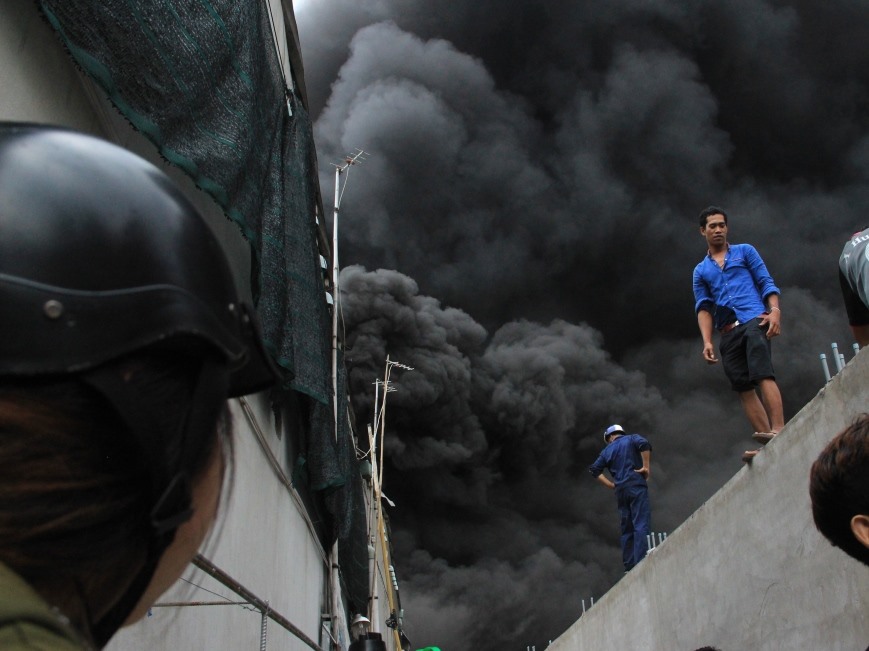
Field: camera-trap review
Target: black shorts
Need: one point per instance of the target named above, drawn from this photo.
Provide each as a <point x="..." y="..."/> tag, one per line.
<point x="746" y="355"/>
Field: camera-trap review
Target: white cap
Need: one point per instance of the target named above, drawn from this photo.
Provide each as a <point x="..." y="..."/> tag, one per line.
<point x="612" y="429"/>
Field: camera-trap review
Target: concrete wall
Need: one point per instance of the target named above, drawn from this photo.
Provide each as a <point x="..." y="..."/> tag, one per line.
<point x="748" y="570"/>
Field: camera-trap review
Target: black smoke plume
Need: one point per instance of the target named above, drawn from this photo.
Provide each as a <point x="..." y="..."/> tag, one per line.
<point x="523" y="234"/>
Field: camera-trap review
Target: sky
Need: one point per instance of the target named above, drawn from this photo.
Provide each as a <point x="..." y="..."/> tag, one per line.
<point x="523" y="233"/>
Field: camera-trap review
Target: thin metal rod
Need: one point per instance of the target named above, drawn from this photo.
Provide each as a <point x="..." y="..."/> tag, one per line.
<point x="382" y="433"/>
<point x="182" y="604"/>
<point x="334" y="579"/>
<point x="212" y="570"/>
<point x="836" y="357"/>
<point x="335" y="298"/>
<point x="826" y="367"/>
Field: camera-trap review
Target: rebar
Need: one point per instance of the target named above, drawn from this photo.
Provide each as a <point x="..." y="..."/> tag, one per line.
<point x="825" y="366"/>
<point x="836" y="356"/>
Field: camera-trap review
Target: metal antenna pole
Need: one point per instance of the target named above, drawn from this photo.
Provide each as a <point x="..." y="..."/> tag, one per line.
<point x="386" y="389"/>
<point x="335" y="582"/>
<point x="358" y="157"/>
<point x="377" y="476"/>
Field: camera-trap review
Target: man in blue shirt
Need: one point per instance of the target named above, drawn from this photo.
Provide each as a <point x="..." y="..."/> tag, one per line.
<point x="627" y="457"/>
<point x="735" y="295"/>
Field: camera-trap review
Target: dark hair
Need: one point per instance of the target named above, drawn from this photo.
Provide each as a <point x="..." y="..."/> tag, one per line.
<point x="708" y="212"/>
<point x="839" y="487"/>
<point x="76" y="489"/>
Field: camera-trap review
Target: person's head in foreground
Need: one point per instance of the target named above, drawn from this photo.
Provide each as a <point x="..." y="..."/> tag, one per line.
<point x="121" y="337"/>
<point x="839" y="488"/>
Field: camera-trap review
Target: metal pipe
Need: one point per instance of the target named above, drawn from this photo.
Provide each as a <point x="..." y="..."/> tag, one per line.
<point x="856" y="348"/>
<point x="836" y="357"/>
<point x="212" y="570"/>
<point x="335" y="589"/>
<point x="335" y="298"/>
<point x="183" y="604"/>
<point x="842" y="359"/>
<point x="825" y="366"/>
<point x="334" y="577"/>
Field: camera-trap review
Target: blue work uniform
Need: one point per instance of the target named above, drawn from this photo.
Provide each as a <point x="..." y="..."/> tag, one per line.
<point x="622" y="458"/>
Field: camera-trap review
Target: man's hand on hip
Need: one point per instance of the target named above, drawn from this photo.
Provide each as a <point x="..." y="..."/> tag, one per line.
<point x="772" y="323"/>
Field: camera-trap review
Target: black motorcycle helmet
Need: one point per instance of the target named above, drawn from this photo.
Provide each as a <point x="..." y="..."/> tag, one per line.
<point x="101" y="257"/>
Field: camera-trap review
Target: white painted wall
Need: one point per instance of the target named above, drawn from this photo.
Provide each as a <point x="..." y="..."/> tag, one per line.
<point x="263" y="543"/>
<point x="748" y="571"/>
<point x="38" y="82"/>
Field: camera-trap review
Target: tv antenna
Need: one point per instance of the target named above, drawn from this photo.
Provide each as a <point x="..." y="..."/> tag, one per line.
<point x="349" y="161"/>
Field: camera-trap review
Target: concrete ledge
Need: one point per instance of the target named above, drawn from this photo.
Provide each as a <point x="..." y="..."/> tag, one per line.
<point x="748" y="570"/>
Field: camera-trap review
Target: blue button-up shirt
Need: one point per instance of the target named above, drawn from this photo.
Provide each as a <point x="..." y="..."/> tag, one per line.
<point x="622" y="458"/>
<point x="741" y="285"/>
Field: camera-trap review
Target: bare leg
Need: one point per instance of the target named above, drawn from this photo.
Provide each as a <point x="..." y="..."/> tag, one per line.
<point x="754" y="410"/>
<point x="772" y="404"/>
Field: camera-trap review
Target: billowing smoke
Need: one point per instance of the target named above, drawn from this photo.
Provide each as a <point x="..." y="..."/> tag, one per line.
<point x="523" y="234"/>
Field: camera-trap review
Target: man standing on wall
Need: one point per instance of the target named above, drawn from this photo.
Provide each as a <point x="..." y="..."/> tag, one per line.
<point x="854" y="279"/>
<point x="735" y="295"/>
<point x="627" y="457"/>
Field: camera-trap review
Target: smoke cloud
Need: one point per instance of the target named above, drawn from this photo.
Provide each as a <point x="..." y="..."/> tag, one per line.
<point x="523" y="234"/>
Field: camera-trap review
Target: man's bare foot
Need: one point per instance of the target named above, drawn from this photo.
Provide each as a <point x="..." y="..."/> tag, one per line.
<point x="749" y="455"/>
<point x="764" y="437"/>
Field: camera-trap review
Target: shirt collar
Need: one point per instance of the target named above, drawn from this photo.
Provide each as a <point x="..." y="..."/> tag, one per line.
<point x="726" y="251"/>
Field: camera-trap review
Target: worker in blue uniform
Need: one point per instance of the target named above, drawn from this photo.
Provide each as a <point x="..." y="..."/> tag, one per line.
<point x="627" y="458"/>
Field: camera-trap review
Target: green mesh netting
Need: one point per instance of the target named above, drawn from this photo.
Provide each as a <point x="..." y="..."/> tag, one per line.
<point x="202" y="81"/>
<point x="332" y="467"/>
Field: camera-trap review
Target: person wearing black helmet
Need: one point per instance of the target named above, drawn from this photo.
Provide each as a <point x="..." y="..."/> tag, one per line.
<point x="121" y="337"/>
<point x="627" y="458"/>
